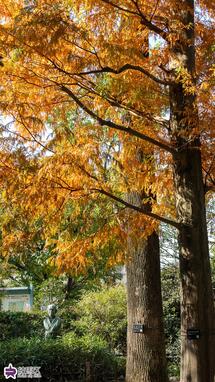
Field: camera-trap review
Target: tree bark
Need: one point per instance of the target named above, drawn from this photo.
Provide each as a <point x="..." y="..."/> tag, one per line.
<point x="197" y="306"/>
<point x="70" y="284"/>
<point x="197" y="310"/>
<point x="146" y="358"/>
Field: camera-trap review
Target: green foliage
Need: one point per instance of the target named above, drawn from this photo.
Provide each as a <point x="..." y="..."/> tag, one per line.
<point x="171" y="308"/>
<point x="100" y="314"/>
<point x="65" y="290"/>
<point x="103" y="313"/>
<point x="63" y="359"/>
<point x="24" y="257"/>
<point x="18" y="324"/>
<point x="50" y="291"/>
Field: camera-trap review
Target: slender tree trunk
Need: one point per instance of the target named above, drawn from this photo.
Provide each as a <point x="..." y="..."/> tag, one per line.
<point x="197" y="307"/>
<point x="70" y="284"/>
<point x="146" y="358"/>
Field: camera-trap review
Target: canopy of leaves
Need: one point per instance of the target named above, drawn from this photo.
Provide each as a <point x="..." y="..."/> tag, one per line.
<point x="85" y="89"/>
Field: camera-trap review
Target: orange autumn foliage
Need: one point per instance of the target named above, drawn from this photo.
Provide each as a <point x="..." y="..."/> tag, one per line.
<point x="83" y="70"/>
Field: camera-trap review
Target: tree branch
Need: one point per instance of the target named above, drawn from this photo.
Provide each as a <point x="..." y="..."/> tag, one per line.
<point x="119" y="104"/>
<point x="124" y="68"/>
<point x="144" y="20"/>
<point x="139" y="209"/>
<point x="33" y="136"/>
<point x="125" y="203"/>
<point x="121" y="8"/>
<point x="162" y="145"/>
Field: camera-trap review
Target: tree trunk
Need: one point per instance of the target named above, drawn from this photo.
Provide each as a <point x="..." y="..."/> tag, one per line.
<point x="146" y="359"/>
<point x="70" y="284"/>
<point x="197" y="307"/>
<point x="197" y="310"/>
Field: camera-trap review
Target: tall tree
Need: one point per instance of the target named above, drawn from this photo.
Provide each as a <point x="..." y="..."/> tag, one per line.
<point x="146" y="358"/>
<point x="101" y="68"/>
<point x="197" y="306"/>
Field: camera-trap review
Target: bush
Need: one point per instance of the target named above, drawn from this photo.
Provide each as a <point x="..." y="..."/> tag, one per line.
<point x="19" y="324"/>
<point x="103" y="313"/>
<point x="98" y="314"/>
<point x="171" y="308"/>
<point x="63" y="359"/>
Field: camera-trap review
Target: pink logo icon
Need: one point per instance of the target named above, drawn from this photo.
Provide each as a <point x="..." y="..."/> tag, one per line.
<point x="10" y="371"/>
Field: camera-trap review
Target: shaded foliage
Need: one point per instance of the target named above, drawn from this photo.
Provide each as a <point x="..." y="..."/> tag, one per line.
<point x="63" y="359"/>
<point x="17" y="324"/>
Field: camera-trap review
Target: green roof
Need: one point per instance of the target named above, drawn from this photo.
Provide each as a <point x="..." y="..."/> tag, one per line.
<point x="16" y="291"/>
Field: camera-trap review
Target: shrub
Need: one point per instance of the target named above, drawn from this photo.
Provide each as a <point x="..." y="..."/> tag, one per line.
<point x="171" y="308"/>
<point x="103" y="313"/>
<point x="19" y="324"/>
<point x="63" y="359"/>
<point x="98" y="314"/>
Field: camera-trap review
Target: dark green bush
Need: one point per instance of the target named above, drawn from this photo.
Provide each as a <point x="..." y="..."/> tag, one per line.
<point x="63" y="359"/>
<point x="171" y="309"/>
<point x="19" y="324"/>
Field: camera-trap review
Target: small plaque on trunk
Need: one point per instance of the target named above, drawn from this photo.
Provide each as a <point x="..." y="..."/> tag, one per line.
<point x="138" y="328"/>
<point x="193" y="334"/>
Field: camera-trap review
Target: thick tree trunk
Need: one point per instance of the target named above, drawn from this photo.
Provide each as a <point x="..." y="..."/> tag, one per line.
<point x="146" y="359"/>
<point x="197" y="308"/>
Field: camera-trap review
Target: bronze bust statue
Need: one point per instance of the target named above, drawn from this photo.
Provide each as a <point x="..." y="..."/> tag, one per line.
<point x="52" y="323"/>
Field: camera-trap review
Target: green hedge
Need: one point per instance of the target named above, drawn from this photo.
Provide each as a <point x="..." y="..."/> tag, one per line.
<point x="19" y="324"/>
<point x="63" y="359"/>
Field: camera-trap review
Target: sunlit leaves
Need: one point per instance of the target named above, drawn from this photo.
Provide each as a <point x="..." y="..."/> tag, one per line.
<point x="57" y="52"/>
